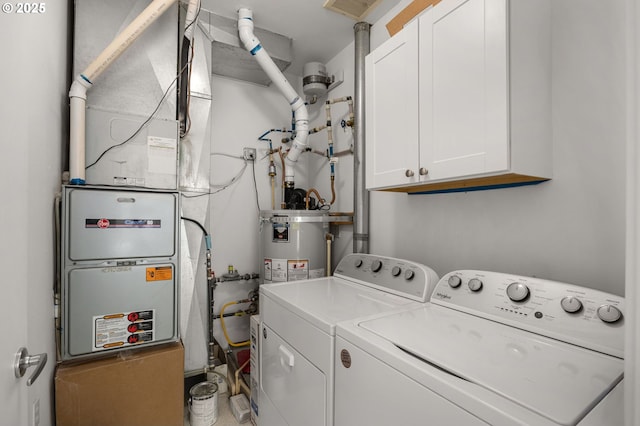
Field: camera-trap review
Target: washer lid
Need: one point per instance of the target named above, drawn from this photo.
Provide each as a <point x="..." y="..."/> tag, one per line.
<point x="557" y="380"/>
<point x="327" y="301"/>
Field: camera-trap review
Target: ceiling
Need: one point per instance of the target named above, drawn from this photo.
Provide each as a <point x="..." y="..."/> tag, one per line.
<point x="318" y="34"/>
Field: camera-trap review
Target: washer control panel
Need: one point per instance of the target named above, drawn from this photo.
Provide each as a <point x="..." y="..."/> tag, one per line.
<point x="570" y="313"/>
<point x="397" y="276"/>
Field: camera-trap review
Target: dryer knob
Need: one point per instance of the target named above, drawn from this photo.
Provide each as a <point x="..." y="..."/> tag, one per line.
<point x="571" y="304"/>
<point x="358" y="263"/>
<point x="376" y="266"/>
<point x="395" y="271"/>
<point x="475" y="284"/>
<point x="609" y="313"/>
<point x="454" y="281"/>
<point x="517" y="292"/>
<point x="409" y="275"/>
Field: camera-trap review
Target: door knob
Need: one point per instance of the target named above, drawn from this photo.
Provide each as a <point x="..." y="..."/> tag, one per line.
<point x="423" y="171"/>
<point x="409" y="173"/>
<point x="24" y="360"/>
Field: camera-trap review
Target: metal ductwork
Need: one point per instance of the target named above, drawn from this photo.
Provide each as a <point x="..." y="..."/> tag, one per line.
<point x="361" y="195"/>
<point x="230" y="59"/>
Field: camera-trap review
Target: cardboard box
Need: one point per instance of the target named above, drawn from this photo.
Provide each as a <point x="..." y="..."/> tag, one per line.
<point x="137" y="388"/>
<point x="407" y="14"/>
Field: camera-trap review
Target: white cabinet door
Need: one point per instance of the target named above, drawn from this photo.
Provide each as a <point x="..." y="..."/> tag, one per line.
<point x="392" y="110"/>
<point x="464" y="89"/>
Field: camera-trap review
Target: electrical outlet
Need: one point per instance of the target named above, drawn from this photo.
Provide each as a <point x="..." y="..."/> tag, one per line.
<point x="36" y="412"/>
<point x="249" y="154"/>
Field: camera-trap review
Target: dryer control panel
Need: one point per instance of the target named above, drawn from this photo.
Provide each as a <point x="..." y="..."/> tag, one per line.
<point x="582" y="316"/>
<point x="401" y="277"/>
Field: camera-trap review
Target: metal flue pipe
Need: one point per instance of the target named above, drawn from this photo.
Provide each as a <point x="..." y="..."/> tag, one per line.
<point x="361" y="195"/>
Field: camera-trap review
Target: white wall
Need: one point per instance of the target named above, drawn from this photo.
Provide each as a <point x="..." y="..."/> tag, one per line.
<point x="569" y="229"/>
<point x="241" y="112"/>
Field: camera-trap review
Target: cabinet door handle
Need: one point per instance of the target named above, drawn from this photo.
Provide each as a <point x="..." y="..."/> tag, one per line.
<point x="423" y="171"/>
<point x="409" y="173"/>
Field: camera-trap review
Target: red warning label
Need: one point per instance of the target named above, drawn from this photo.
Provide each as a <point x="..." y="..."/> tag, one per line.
<point x="122" y="329"/>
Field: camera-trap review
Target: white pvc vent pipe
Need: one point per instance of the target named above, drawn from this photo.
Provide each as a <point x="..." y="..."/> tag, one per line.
<point x="84" y="81"/>
<point x="252" y="44"/>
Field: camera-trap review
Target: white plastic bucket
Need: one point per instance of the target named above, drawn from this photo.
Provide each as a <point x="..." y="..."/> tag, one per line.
<point x="203" y="404"/>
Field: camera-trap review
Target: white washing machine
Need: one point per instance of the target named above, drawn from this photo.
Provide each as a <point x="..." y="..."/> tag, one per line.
<point x="298" y="330"/>
<point x="490" y="348"/>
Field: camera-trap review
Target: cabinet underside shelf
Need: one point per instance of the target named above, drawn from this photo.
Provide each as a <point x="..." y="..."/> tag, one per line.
<point x="471" y="184"/>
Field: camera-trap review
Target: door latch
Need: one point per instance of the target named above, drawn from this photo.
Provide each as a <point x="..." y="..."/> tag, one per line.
<point x="24" y="360"/>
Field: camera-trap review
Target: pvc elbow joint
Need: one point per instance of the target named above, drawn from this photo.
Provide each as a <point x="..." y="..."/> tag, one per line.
<point x="79" y="87"/>
<point x="245" y="29"/>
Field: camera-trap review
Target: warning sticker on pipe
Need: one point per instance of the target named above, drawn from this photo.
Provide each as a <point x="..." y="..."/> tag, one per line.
<point x="122" y="329"/>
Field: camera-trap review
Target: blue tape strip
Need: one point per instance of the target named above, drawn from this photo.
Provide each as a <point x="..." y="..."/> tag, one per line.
<point x="77" y="181"/>
<point x="256" y="49"/>
<point x="478" y="188"/>
<point x="85" y="79"/>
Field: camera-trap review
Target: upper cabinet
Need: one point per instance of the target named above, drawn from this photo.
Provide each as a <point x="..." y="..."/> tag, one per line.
<point x="460" y="99"/>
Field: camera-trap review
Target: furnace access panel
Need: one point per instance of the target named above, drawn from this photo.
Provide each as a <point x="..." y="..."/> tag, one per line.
<point x="119" y="269"/>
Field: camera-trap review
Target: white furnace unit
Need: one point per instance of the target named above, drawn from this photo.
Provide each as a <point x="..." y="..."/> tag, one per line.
<point x="119" y="269"/>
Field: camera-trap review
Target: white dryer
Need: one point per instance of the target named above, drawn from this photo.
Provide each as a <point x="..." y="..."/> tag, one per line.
<point x="298" y="330"/>
<point x="490" y="348"/>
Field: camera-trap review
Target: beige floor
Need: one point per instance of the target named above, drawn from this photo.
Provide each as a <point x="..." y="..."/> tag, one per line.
<point x="225" y="416"/>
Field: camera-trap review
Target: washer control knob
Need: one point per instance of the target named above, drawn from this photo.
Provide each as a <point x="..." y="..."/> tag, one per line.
<point x="571" y="304"/>
<point x="609" y="313"/>
<point x="475" y="284"/>
<point x="358" y="263"/>
<point x="376" y="266"/>
<point x="454" y="281"/>
<point x="517" y="292"/>
<point x="395" y="271"/>
<point x="409" y="274"/>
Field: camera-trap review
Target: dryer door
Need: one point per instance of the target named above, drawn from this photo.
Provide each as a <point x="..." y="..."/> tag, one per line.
<point x="294" y="386"/>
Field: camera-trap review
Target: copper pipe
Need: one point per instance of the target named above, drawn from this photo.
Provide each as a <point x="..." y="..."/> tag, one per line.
<point x="306" y="198"/>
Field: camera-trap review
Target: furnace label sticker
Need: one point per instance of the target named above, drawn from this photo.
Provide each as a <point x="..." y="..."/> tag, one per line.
<point x="278" y="270"/>
<point x="159" y="273"/>
<point x="122" y="329"/>
<point x="161" y="154"/>
<point x="298" y="270"/>
<point x="104" y="223"/>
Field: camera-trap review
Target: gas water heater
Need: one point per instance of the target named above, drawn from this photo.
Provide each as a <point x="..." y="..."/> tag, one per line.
<point x="119" y="269"/>
<point x="293" y="244"/>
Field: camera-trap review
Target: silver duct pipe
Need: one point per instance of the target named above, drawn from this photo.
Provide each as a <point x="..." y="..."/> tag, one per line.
<point x="360" y="193"/>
